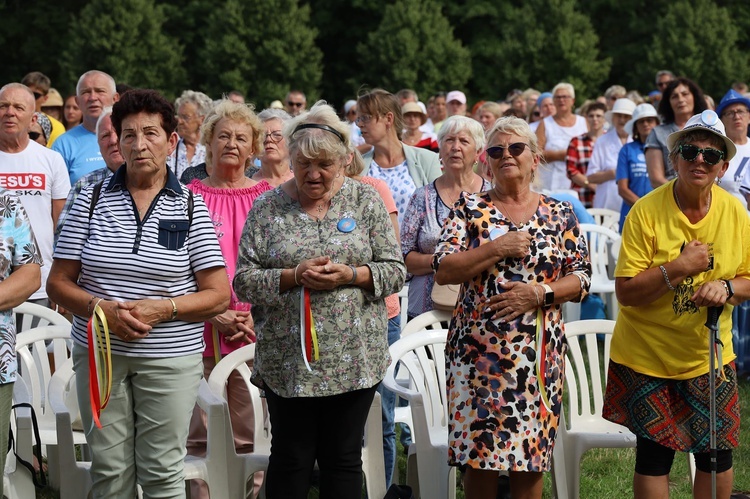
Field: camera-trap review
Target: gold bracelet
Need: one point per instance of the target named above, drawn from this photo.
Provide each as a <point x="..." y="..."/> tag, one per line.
<point x="174" y="309"/>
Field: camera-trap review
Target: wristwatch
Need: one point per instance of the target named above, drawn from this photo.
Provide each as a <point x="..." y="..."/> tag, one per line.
<point x="549" y="295"/>
<point x="730" y="288"/>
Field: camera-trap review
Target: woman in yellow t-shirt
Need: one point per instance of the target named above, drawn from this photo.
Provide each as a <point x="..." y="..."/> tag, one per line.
<point x="685" y="247"/>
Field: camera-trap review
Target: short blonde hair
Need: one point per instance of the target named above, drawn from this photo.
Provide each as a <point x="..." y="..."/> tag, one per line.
<point x="456" y="124"/>
<point x="331" y="142"/>
<point x="564" y="86"/>
<point x="242" y="113"/>
<point x="515" y="126"/>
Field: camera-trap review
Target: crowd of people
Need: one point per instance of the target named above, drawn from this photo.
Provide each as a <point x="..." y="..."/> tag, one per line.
<point x="200" y="226"/>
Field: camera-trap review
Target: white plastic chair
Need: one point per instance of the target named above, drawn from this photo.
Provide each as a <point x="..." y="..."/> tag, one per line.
<point x="26" y="313"/>
<point x="607" y="218"/>
<point x="35" y="369"/>
<point x="422" y="355"/>
<point x="241" y="467"/>
<point x="602" y="243"/>
<point x="17" y="482"/>
<point x="582" y="426"/>
<point x="403" y="301"/>
<point x="434" y="319"/>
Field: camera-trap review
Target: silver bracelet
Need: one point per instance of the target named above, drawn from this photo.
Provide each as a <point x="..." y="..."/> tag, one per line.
<point x="295" y="274"/>
<point x="536" y="293"/>
<point x="666" y="277"/>
<point x="354" y="274"/>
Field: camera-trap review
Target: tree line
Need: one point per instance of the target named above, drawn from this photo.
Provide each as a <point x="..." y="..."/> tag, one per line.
<point x="333" y="48"/>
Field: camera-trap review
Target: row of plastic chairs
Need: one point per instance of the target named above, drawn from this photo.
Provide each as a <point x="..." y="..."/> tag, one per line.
<point x="421" y="354"/>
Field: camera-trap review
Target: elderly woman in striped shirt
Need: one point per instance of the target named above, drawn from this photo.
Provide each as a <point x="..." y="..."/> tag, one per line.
<point x="140" y="250"/>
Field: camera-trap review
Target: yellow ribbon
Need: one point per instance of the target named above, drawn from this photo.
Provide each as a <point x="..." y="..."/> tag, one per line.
<point x="540" y="355"/>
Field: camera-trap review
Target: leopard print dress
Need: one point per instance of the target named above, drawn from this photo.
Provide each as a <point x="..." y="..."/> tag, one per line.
<point x="497" y="420"/>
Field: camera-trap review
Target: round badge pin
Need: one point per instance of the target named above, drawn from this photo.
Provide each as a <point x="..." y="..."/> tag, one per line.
<point x="346" y="225"/>
<point x="709" y="117"/>
<point x="497" y="232"/>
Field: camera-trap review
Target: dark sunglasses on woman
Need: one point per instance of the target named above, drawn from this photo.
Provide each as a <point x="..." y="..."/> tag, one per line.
<point x="515" y="150"/>
<point x="711" y="156"/>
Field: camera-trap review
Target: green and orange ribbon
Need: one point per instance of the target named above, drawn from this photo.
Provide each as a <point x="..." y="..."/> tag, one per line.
<point x="308" y="335"/>
<point x="100" y="363"/>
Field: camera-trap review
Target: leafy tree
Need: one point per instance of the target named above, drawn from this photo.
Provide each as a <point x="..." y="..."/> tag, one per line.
<point x="709" y="56"/>
<point x="414" y="47"/>
<point x="125" y="39"/>
<point x="263" y="48"/>
<point x="30" y="33"/>
<point x="534" y="43"/>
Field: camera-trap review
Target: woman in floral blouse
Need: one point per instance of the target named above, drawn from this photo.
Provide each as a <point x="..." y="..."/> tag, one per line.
<point x="20" y="276"/>
<point x="318" y="255"/>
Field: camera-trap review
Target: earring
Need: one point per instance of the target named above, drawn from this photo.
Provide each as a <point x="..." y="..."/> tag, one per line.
<point x="338" y="175"/>
<point x="718" y="180"/>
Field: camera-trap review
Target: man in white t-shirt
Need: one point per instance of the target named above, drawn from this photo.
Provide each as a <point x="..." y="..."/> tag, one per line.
<point x="36" y="174"/>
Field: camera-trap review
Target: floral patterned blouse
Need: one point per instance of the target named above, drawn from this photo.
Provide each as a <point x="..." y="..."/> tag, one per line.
<point x="17" y="247"/>
<point x="351" y="322"/>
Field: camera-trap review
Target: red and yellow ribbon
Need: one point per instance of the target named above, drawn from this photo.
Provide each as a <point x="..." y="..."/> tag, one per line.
<point x="308" y="335"/>
<point x="100" y="363"/>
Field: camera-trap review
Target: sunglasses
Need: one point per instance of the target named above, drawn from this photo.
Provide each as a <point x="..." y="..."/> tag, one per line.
<point x="515" y="150"/>
<point x="294" y="104"/>
<point x="711" y="156"/>
<point x="34" y="135"/>
<point x="38" y="95"/>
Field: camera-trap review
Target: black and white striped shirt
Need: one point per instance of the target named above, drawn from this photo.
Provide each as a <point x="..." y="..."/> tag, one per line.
<point x="124" y="259"/>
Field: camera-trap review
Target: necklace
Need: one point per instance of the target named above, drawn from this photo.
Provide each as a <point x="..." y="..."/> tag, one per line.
<point x="507" y="212"/>
<point x="319" y="206"/>
<point x="677" y="200"/>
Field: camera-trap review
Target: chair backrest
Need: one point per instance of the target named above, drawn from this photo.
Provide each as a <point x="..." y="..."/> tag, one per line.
<point x="29" y="315"/>
<point x="403" y="302"/>
<point x="586" y="370"/>
<point x="607" y="218"/>
<point x="217" y="382"/>
<point x="434" y="319"/>
<point x="422" y="354"/>
<point x="601" y="241"/>
<point x="34" y="362"/>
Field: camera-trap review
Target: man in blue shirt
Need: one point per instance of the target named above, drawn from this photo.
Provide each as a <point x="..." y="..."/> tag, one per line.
<point x="78" y="146"/>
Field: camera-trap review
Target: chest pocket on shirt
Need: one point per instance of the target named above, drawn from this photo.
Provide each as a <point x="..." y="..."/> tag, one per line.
<point x="172" y="233"/>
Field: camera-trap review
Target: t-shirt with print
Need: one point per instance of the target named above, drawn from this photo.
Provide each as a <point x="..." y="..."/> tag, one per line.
<point x="400" y="183"/>
<point x="37" y="175"/>
<point x="81" y="153"/>
<point x="736" y="180"/>
<point x="17" y="247"/>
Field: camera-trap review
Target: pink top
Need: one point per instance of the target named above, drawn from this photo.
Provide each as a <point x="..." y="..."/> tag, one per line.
<point x="391" y="302"/>
<point x="228" y="209"/>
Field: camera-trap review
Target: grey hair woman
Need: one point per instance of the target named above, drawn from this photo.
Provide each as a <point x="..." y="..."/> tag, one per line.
<point x="274" y="154"/>
<point x="192" y="107"/>
<point x="318" y="255"/>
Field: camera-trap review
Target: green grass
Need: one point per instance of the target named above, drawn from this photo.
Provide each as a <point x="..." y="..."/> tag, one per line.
<point x="608" y="473"/>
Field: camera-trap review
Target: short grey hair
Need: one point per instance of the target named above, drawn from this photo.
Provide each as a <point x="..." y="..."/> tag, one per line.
<point x="107" y="111"/>
<point x="514" y="126"/>
<point x="274" y="114"/>
<point x="317" y="143"/>
<point x="456" y="124"/>
<point x="617" y="91"/>
<point x="202" y="102"/>
<point x="20" y="86"/>
<point x="663" y="72"/>
<point x="564" y="86"/>
<point x="112" y="87"/>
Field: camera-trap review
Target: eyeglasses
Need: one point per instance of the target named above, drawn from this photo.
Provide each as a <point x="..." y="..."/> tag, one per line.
<point x="275" y="137"/>
<point x="738" y="112"/>
<point x="515" y="150"/>
<point x="34" y="135"/>
<point x="294" y="104"/>
<point x="38" y="95"/>
<point x="363" y="118"/>
<point x="185" y="117"/>
<point x="711" y="156"/>
<point x="562" y="97"/>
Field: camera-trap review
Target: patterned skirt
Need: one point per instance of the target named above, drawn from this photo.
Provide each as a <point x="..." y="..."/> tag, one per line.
<point x="673" y="413"/>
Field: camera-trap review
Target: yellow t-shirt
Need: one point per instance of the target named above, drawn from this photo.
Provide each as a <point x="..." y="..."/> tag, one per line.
<point x="668" y="338"/>
<point x="57" y="130"/>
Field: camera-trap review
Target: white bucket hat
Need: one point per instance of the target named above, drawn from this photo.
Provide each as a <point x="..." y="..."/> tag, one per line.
<point x="709" y="121"/>
<point x="641" y="111"/>
<point x="622" y="106"/>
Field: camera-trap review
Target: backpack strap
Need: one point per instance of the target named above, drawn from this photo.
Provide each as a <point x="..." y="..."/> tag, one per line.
<point x="41" y="481"/>
<point x="190" y="206"/>
<point x="95" y="197"/>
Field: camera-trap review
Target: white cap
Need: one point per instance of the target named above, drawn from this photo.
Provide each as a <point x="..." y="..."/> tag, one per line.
<point x="641" y="111"/>
<point x="709" y="121"/>
<point x="456" y="95"/>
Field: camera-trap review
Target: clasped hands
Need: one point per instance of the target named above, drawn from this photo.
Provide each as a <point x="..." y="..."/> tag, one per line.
<point x="695" y="259"/>
<point x="321" y="274"/>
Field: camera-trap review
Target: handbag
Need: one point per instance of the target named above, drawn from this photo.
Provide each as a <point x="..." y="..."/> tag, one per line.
<point x="396" y="491"/>
<point x="445" y="296"/>
<point x="40" y="481"/>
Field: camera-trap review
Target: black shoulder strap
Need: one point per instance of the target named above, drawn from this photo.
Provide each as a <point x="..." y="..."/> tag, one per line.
<point x="191" y="203"/>
<point x="41" y="480"/>
<point x="95" y="197"/>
